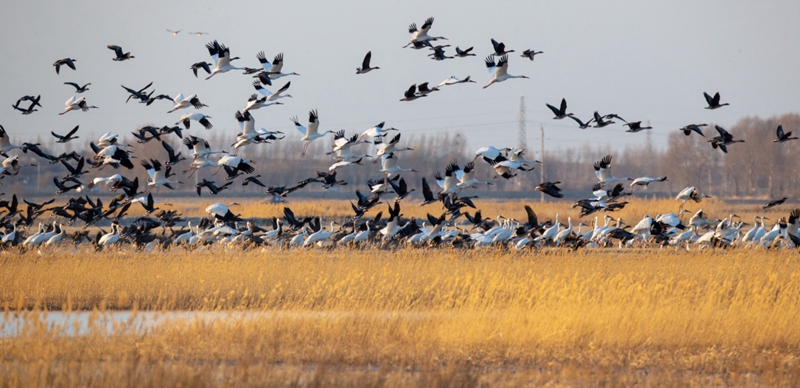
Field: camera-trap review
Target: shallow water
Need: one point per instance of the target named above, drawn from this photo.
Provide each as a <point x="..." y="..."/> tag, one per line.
<point x="77" y="323"/>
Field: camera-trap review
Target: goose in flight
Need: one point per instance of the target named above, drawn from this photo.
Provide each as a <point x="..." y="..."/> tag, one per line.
<point x="530" y="54"/>
<point x="774" y="203"/>
<point x="411" y="94"/>
<point x="365" y="67"/>
<point x="69" y="136"/>
<point x="438" y="54"/>
<point x="581" y="124"/>
<point x="467" y="52"/>
<point x="500" y="48"/>
<point x="66" y="61"/>
<point x="713" y="102"/>
<point x="201" y="65"/>
<point x="687" y="130"/>
<point x="120" y="56"/>
<point x="561" y="111"/>
<point x="723" y="140"/>
<point x="635" y="126"/>
<point x="78" y="89"/>
<point x="500" y="70"/>
<point x="783" y="137"/>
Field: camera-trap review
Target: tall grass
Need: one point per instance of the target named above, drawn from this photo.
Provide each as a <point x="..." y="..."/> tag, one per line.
<point x="412" y="318"/>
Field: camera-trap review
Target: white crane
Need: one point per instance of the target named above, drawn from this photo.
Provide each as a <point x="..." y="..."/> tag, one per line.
<point x="690" y="193"/>
<point x="319" y="236"/>
<point x="391" y="146"/>
<point x="376" y="131"/>
<point x="453" y="80"/>
<point x="311" y="133"/>
<point x="273" y="96"/>
<point x="197" y="116"/>
<point x="159" y="176"/>
<point x="644" y="181"/>
<point x="602" y="169"/>
<point x="222" y="58"/>
<point x="500" y="70"/>
<point x="182" y="102"/>
<point x="110" y="238"/>
<point x="272" y="70"/>
<point x="5" y="142"/>
<point x="389" y="165"/>
<point x="75" y="103"/>
<point x="421" y="35"/>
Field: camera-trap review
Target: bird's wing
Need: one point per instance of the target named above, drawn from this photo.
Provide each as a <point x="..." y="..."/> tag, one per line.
<point x="365" y="63"/>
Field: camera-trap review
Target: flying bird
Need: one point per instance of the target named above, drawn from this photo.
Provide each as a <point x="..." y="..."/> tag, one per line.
<point x="530" y="54"/>
<point x="365" y="67"/>
<point x="713" y="102"/>
<point x="560" y="112"/>
<point x="120" y="56"/>
<point x="783" y="137"/>
<point x="69" y="136"/>
<point x="66" y="61"/>
<point x="500" y="70"/>
<point x="78" y="89"/>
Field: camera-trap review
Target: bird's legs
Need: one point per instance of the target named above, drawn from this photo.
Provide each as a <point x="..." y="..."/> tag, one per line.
<point x="305" y="146"/>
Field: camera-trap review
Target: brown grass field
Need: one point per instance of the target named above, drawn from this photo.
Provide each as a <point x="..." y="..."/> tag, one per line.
<point x="410" y="317"/>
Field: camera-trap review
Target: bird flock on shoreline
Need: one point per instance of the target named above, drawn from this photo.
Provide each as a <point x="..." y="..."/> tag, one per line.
<point x="459" y="223"/>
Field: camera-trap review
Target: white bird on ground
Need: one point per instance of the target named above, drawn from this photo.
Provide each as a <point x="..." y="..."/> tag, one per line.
<point x="319" y="236"/>
<point x="222" y="58"/>
<point x="500" y="70"/>
<point x="550" y="232"/>
<point x="311" y="133"/>
<point x="110" y="238"/>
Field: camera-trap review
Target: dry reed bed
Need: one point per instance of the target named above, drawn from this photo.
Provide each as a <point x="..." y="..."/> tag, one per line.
<point x="414" y="318"/>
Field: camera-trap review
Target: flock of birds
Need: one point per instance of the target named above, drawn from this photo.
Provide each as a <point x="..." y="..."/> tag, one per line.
<point x="456" y="225"/>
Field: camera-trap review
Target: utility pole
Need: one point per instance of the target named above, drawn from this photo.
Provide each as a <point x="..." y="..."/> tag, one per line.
<point x="541" y="156"/>
<point x="522" y="134"/>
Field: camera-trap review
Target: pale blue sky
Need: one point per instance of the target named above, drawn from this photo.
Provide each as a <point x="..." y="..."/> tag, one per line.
<point x="642" y="60"/>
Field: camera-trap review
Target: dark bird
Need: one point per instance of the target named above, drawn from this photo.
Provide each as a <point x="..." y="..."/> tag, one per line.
<point x="601" y="121"/>
<point x="74" y="172"/>
<point x="69" y="136"/>
<point x="687" y="130"/>
<point x="172" y="157"/>
<point x="427" y="194"/>
<point x="635" y="126"/>
<point x="400" y="188"/>
<point x="34" y="100"/>
<point x="201" y="65"/>
<point x="149" y="204"/>
<point x="365" y="67"/>
<point x="24" y="111"/>
<point x="783" y="137"/>
<point x="467" y="52"/>
<point x="25" y="147"/>
<point x="561" y="111"/>
<point x="550" y="189"/>
<point x="438" y="53"/>
<point x="141" y="134"/>
<point x="66" y="61"/>
<point x="253" y="180"/>
<point x="411" y="94"/>
<point x="64" y="188"/>
<point x="713" y="102"/>
<point x="120" y="56"/>
<point x="79" y="89"/>
<point x="151" y="99"/>
<point x="581" y="124"/>
<point x="211" y="186"/>
<point x="500" y="48"/>
<point x="774" y="203"/>
<point x="140" y="94"/>
<point x="723" y="140"/>
<point x="530" y="54"/>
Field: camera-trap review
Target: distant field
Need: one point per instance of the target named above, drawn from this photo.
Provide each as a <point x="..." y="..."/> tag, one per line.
<point x="411" y="317"/>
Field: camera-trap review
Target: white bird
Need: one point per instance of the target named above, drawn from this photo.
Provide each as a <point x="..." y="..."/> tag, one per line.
<point x="391" y="146"/>
<point x="311" y="133"/>
<point x="222" y="58"/>
<point x="389" y="165"/>
<point x="489" y="152"/>
<point x="560" y="236"/>
<point x="421" y="35"/>
<point x="376" y="131"/>
<point x="199" y="146"/>
<point x="158" y="176"/>
<point x="10" y="236"/>
<point x="197" y="116"/>
<point x="254" y="103"/>
<point x="56" y="238"/>
<point x="690" y="193"/>
<point x="550" y="232"/>
<point x="644" y="181"/>
<point x="343" y="163"/>
<point x="75" y="103"/>
<point x="453" y="81"/>
<point x="110" y="238"/>
<point x="602" y="169"/>
<point x="319" y="236"/>
<point x="272" y="70"/>
<point x="5" y="142"/>
<point x="182" y="102"/>
<point x="500" y="70"/>
<point x="273" y="96"/>
<point x="221" y="211"/>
